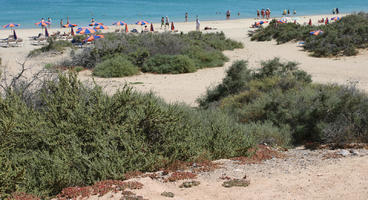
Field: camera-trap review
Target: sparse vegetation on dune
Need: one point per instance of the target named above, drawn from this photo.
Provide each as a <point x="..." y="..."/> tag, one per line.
<point x="160" y="53"/>
<point x="281" y="95"/>
<point x="340" y="38"/>
<point x="65" y="134"/>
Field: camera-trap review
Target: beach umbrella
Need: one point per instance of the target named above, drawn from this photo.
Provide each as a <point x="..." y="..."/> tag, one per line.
<point x="11" y="26"/>
<point x="142" y="22"/>
<point x="101" y="27"/>
<point x="126" y="28"/>
<point x="318" y="32"/>
<point x="335" y="19"/>
<point x="93" y="37"/>
<point x="326" y="22"/>
<point x="15" y="35"/>
<point x="85" y="31"/>
<point x="69" y="25"/>
<point x="119" y="23"/>
<point x="281" y="22"/>
<point x="152" y="29"/>
<point x="95" y="24"/>
<point x="42" y="23"/>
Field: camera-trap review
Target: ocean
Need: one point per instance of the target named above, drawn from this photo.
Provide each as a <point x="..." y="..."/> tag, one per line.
<point x="28" y="12"/>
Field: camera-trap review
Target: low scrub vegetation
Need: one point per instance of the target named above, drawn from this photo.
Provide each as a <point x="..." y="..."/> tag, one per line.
<point x="116" y="66"/>
<point x="69" y="135"/>
<point x="160" y="53"/>
<point x="52" y="46"/>
<point x="343" y="37"/>
<point x="279" y="94"/>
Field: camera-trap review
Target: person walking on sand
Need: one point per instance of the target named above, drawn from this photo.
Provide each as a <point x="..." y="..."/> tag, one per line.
<point x="228" y="14"/>
<point x="186" y="17"/>
<point x="167" y="22"/>
<point x="162" y="22"/>
<point x="258" y="14"/>
<point x="198" y="24"/>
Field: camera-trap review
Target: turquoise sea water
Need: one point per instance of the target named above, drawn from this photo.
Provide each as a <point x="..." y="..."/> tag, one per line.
<point x="27" y="12"/>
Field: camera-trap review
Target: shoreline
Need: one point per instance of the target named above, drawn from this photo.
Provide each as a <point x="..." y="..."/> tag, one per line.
<point x="182" y="22"/>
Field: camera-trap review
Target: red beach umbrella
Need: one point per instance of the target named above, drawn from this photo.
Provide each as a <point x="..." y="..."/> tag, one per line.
<point x="310" y="22"/>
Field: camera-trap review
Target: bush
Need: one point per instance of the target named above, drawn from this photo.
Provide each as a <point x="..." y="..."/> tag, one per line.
<point x="340" y="38"/>
<point x="203" y="49"/>
<point x="117" y="66"/>
<point x="73" y="135"/>
<point x="283" y="96"/>
<point x="164" y="64"/>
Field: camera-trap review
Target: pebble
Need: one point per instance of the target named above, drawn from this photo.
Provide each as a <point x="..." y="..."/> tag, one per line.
<point x="343" y="152"/>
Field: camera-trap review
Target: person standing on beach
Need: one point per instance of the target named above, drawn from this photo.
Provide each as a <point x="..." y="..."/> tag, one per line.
<point x="284" y="13"/>
<point x="294" y="12"/>
<point x="288" y="12"/>
<point x="162" y="22"/>
<point x="49" y="22"/>
<point x="186" y="17"/>
<point x="258" y="14"/>
<point x="228" y="14"/>
<point x="92" y="20"/>
<point x="263" y="13"/>
<point x="333" y="11"/>
<point x="61" y="23"/>
<point x="198" y="24"/>
<point x="337" y="11"/>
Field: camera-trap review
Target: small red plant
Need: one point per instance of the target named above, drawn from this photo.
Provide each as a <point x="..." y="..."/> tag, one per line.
<point x="180" y="176"/>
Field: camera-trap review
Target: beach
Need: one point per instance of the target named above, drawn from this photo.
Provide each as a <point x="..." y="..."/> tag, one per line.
<point x="186" y="88"/>
<point x="298" y="174"/>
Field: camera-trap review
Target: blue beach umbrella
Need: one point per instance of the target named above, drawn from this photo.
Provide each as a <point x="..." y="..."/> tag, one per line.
<point x="119" y="23"/>
<point x="85" y="31"/>
<point x="142" y="22"/>
<point x="11" y="26"/>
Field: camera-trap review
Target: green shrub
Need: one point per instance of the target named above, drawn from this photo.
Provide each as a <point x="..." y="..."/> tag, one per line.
<point x="72" y="135"/>
<point x="117" y="66"/>
<point x="78" y="69"/>
<point x="283" y="96"/>
<point x="339" y="38"/>
<point x="164" y="64"/>
<point x="206" y="58"/>
<point x="203" y="49"/>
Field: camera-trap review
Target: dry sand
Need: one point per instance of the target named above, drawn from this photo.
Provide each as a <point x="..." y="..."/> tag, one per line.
<point x="345" y="178"/>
